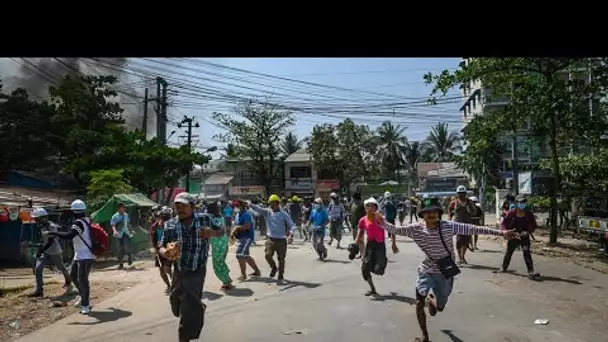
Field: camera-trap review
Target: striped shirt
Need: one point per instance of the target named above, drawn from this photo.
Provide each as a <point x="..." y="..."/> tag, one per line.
<point x="429" y="240"/>
<point x="193" y="248"/>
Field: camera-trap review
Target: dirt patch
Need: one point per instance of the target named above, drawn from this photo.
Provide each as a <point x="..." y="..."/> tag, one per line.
<point x="580" y="252"/>
<point x="20" y="315"/>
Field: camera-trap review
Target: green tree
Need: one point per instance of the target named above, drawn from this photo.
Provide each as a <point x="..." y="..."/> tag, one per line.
<point x="231" y="151"/>
<point x="103" y="185"/>
<point x="392" y="143"/>
<point x="413" y="154"/>
<point x="553" y="95"/>
<point x="257" y="132"/>
<point x="442" y="144"/>
<point x="290" y="144"/>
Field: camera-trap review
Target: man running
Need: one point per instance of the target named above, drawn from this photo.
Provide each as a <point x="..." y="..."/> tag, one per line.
<point x="156" y="234"/>
<point x="318" y="219"/>
<point x="244" y="233"/>
<point x="336" y="217"/>
<point x="122" y="232"/>
<point x="437" y="271"/>
<point x="523" y="222"/>
<point x="49" y="253"/>
<point x="80" y="234"/>
<point x="276" y="223"/>
<point x="374" y="260"/>
<point x="461" y="210"/>
<point x="186" y="241"/>
<point x="295" y="212"/>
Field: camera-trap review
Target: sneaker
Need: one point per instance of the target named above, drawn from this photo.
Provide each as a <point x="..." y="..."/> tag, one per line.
<point x="121" y="266"/>
<point x="85" y="310"/>
<point x="77" y="303"/>
<point x="130" y="261"/>
<point x="273" y="272"/>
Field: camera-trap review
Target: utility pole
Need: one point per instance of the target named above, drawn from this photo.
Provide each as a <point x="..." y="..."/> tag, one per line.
<point x="188" y="121"/>
<point x="161" y="121"/>
<point x="144" y="126"/>
<point x="515" y="172"/>
<point x="163" y="112"/>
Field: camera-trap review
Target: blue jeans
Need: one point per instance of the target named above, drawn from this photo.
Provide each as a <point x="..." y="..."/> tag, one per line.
<point x="318" y="235"/>
<point x="124" y="244"/>
<point x="435" y="282"/>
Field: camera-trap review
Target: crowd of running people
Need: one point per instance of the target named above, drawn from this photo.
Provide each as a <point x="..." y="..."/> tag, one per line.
<point x="182" y="237"/>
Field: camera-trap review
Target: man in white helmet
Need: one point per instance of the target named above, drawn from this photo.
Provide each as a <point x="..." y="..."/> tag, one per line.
<point x="80" y="234"/>
<point x="48" y="253"/>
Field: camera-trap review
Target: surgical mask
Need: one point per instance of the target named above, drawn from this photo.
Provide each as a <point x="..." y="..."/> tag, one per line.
<point x="316" y="206"/>
<point x="520" y="205"/>
<point x="237" y="210"/>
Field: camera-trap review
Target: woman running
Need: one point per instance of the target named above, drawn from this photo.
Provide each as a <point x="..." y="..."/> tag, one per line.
<point x="219" y="248"/>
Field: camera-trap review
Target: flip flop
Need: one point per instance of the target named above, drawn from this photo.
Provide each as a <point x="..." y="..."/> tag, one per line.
<point x="421" y="339"/>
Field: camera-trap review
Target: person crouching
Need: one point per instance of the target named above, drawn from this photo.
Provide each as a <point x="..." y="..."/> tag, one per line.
<point x="374" y="258"/>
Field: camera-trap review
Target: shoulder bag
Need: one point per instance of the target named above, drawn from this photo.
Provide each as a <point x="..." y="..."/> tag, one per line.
<point x="447" y="266"/>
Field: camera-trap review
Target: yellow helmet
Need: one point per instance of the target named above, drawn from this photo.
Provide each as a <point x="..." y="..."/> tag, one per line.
<point x="295" y="198"/>
<point x="274" y="198"/>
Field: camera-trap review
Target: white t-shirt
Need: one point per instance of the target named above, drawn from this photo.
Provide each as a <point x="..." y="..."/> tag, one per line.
<point x="81" y="250"/>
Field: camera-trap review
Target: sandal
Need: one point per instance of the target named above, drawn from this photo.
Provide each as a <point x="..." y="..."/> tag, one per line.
<point x="534" y="276"/>
<point x="242" y="278"/>
<point x="226" y="287"/>
<point x="421" y="339"/>
<point x="500" y="270"/>
<point x="371" y="293"/>
<point x="255" y="274"/>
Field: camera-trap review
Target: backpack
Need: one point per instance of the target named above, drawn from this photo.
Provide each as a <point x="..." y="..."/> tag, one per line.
<point x="99" y="238"/>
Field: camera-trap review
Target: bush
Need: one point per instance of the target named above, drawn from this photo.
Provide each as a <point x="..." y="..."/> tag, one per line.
<point x="539" y="203"/>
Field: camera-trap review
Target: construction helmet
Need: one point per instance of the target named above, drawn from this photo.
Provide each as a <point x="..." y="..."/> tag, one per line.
<point x="274" y="198"/>
<point x="39" y="212"/>
<point x="78" y="205"/>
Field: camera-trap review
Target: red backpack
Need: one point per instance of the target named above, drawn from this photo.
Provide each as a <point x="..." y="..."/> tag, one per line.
<point x="99" y="238"/>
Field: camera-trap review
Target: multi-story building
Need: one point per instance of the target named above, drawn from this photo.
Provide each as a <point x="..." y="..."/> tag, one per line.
<point x="246" y="183"/>
<point x="300" y="175"/>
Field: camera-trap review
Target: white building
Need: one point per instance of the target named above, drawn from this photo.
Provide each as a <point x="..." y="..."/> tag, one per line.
<point x="300" y="175"/>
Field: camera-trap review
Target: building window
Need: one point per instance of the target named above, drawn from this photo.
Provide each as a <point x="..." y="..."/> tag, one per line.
<point x="300" y="172"/>
<point x="247" y="175"/>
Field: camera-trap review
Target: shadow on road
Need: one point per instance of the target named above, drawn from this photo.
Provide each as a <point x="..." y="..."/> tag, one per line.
<point x="333" y="261"/>
<point x="105" y="316"/>
<point x="480" y="267"/>
<point x="396" y="297"/>
<point x="451" y="335"/>
<point x="240" y="292"/>
<point x="285" y="284"/>
<point x="551" y="279"/>
<point x="211" y="296"/>
<point x="488" y="251"/>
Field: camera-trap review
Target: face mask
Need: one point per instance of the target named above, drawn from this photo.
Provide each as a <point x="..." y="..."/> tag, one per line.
<point x="316" y="206"/>
<point x="520" y="205"/>
<point x="237" y="210"/>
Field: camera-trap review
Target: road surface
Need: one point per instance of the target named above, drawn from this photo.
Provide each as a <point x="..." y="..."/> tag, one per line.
<point x="325" y="302"/>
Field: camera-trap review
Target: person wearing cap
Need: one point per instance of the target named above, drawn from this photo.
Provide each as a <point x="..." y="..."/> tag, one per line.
<point x="462" y="209"/>
<point x="244" y="233"/>
<point x="191" y="231"/>
<point x="306" y="210"/>
<point x="277" y="222"/>
<point x="294" y="208"/>
<point x="357" y="211"/>
<point x="49" y="253"/>
<point x="120" y="227"/>
<point x="478" y="220"/>
<point x="522" y="221"/>
<point x="80" y="234"/>
<point x="437" y="271"/>
<point x="318" y="219"/>
<point x="336" y="217"/>
<point x="157" y="229"/>
<point x="374" y="258"/>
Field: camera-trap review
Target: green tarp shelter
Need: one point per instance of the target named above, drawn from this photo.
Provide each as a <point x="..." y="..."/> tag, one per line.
<point x="130" y="200"/>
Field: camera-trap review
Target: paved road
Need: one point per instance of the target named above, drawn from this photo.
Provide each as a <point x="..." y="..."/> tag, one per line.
<point x="325" y="302"/>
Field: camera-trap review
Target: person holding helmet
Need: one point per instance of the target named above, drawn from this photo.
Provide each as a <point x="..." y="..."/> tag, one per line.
<point x="319" y="219"/>
<point x="157" y="230"/>
<point x="462" y="209"/>
<point x="186" y="242"/>
<point x="277" y="222"/>
<point x="80" y="234"/>
<point x="374" y="257"/>
<point x="244" y="233"/>
<point x="521" y="220"/>
<point x="49" y="252"/>
<point x="336" y="217"/>
<point x="437" y="271"/>
<point x="478" y="220"/>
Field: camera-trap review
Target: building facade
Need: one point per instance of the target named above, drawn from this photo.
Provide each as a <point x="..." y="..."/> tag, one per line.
<point x="245" y="181"/>
<point x="300" y="175"/>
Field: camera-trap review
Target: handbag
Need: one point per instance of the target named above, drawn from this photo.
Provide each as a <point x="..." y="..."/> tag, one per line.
<point x="447" y="266"/>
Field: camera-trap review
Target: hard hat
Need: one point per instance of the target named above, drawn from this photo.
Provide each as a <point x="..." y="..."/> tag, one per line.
<point x="333" y="195"/>
<point x="39" y="212"/>
<point x="295" y="198"/>
<point x="461" y="189"/>
<point x="387" y="194"/>
<point x="78" y="205"/>
<point x="370" y="200"/>
<point x="474" y="199"/>
<point x="274" y="198"/>
<point x="318" y="200"/>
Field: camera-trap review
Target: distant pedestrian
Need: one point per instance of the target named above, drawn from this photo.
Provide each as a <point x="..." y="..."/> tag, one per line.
<point x="318" y="220"/>
<point x="478" y="220"/>
<point x="244" y="232"/>
<point x="123" y="233"/>
<point x="49" y="253"/>
<point x="219" y="248"/>
<point x="157" y="230"/>
<point x="228" y="212"/>
<point x="336" y="219"/>
<point x="388" y="209"/>
<point x="186" y="241"/>
<point x="461" y="210"/>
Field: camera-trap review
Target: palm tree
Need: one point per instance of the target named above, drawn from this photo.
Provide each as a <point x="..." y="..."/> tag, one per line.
<point x="290" y="144"/>
<point x="392" y="141"/>
<point x="231" y="151"/>
<point x="442" y="143"/>
<point x="413" y="154"/>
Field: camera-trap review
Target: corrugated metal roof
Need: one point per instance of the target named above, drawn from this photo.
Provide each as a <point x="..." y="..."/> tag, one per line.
<point x="218" y="179"/>
<point x="40" y="198"/>
<point x="298" y="156"/>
